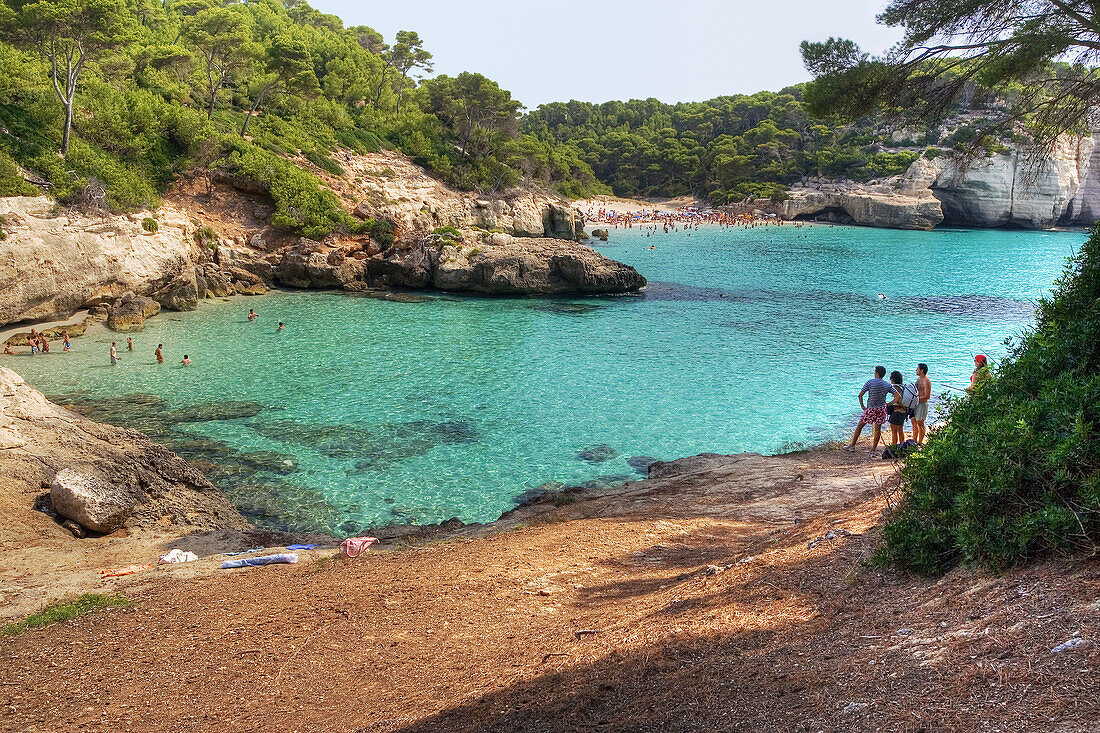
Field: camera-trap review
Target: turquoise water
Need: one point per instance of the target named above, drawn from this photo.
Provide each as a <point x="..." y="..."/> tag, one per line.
<point x="371" y="412"/>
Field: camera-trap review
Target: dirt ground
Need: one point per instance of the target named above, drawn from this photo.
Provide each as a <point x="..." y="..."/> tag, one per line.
<point x="726" y="593"/>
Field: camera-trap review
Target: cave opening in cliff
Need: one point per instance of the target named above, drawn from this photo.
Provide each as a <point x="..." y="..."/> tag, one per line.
<point x="829" y="214"/>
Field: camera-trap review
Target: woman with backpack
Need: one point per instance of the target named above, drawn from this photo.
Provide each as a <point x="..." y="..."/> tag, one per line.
<point x="897" y="410"/>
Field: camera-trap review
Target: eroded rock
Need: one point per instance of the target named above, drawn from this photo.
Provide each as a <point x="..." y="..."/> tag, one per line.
<point x="89" y="501"/>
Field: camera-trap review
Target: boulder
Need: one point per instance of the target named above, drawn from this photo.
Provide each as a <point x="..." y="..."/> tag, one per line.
<point x="91" y="502"/>
<point x="181" y="294"/>
<point x="601" y="234"/>
<point x="211" y="281"/>
<point x="130" y="311"/>
<point x="304" y="267"/>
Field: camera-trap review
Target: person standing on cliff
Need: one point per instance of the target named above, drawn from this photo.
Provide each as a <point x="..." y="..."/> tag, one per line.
<point x="114" y="353"/>
<point x="920" y="413"/>
<point x="874" y="413"/>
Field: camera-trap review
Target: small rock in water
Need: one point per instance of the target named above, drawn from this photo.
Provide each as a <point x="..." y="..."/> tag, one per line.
<point x="598" y="453"/>
<point x="1075" y="643"/>
<point x="641" y="464"/>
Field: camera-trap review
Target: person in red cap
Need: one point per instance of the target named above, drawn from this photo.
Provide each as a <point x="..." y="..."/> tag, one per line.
<point x="981" y="371"/>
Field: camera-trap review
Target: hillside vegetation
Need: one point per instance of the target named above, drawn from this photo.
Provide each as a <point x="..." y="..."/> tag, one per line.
<point x="104" y="102"/>
<point x="1015" y="471"/>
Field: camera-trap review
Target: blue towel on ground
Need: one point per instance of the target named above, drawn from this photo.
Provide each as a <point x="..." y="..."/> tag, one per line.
<point x="247" y="562"/>
<point x="302" y="547"/>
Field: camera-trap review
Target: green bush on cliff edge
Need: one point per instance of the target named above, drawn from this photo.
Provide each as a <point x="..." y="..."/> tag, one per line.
<point x="1014" y="473"/>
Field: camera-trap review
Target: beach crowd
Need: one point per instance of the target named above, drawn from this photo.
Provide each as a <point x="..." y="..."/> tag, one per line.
<point x="683" y="218"/>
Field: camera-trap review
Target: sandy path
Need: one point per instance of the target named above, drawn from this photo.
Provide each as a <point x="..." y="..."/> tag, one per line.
<point x="78" y="317"/>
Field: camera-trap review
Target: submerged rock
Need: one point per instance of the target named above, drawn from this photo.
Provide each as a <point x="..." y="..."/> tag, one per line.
<point x="641" y="464"/>
<point x="89" y="501"/>
<point x="597" y="453"/>
<point x="206" y="411"/>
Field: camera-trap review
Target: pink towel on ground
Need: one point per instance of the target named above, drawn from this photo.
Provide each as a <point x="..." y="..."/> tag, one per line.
<point x="354" y="546"/>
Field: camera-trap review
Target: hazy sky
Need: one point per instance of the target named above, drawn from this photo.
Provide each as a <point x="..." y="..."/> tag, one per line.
<point x="674" y="50"/>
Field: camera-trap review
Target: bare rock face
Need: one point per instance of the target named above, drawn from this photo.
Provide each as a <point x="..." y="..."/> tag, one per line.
<point x="181" y="294"/>
<point x="52" y="264"/>
<point x="130" y="312"/>
<point x="306" y="266"/>
<point x="1009" y="189"/>
<point x="89" y="501"/>
<point x="865" y="206"/>
<point x="520" y="267"/>
<point x="392" y="187"/>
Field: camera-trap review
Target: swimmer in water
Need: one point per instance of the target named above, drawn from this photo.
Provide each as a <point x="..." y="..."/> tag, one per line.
<point x="186" y="360"/>
<point x="882" y="296"/>
<point x="129" y="344"/>
<point x="159" y="353"/>
<point x="280" y="325"/>
<point x="251" y="314"/>
<point x="114" y="352"/>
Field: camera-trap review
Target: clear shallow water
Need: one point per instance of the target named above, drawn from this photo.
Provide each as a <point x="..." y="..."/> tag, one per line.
<point x="746" y="340"/>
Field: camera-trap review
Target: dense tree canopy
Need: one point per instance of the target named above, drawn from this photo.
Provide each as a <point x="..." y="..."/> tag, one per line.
<point x="726" y="148"/>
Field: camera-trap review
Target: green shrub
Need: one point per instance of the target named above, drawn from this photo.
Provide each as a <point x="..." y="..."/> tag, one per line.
<point x="206" y="237"/>
<point x="64" y="611"/>
<point x="150" y="225"/>
<point x="932" y="153"/>
<point x="11" y="180"/>
<point x="1014" y="473"/>
<point x="323" y="162"/>
<point x="302" y="204"/>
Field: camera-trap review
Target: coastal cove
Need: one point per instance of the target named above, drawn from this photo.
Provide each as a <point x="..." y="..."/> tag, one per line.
<point x="366" y="412"/>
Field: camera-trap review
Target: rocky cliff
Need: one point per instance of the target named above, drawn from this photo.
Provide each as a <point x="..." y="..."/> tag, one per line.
<point x="52" y="263"/>
<point x="388" y="185"/>
<point x="499" y="264"/>
<point x="1009" y="189"/>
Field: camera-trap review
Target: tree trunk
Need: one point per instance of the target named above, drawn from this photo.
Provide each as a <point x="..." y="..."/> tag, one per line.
<point x="68" y="127"/>
<point x="255" y="106"/>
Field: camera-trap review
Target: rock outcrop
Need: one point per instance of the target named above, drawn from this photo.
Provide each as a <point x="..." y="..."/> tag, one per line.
<point x="130" y="312"/>
<point x="514" y="266"/>
<point x="1009" y="189"/>
<point x="101" y="476"/>
<point x="52" y="264"/>
<point x="388" y="185"/>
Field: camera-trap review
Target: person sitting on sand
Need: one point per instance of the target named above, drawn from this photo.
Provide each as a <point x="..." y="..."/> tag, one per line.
<point x="980" y="373"/>
<point x="7" y="349"/>
<point x="874" y="414"/>
<point x="114" y="352"/>
<point x="186" y="360"/>
<point x="251" y="314"/>
<point x="920" y="413"/>
<point x="159" y="353"/>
